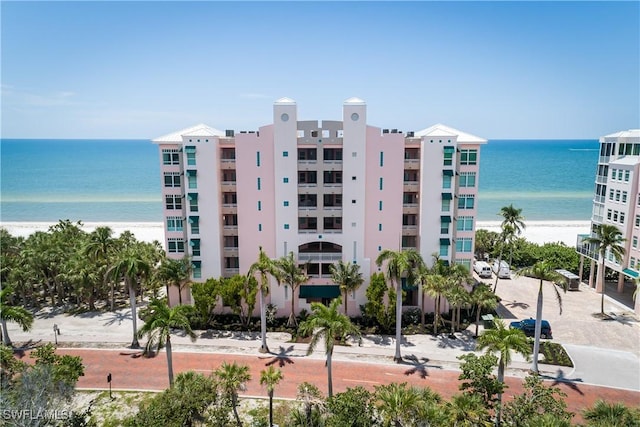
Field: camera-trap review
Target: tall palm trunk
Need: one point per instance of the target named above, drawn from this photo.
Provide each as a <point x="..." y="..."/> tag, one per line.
<point x="436" y="316"/>
<point x="5" y="334"/>
<point x="538" y="329"/>
<point x="292" y="317"/>
<point x="169" y="360"/>
<point x="346" y="313"/>
<point x="603" y="287"/>
<point x="134" y="313"/>
<point x="263" y="322"/>
<point x="477" y="320"/>
<point x="422" y="316"/>
<point x="329" y="376"/>
<point x="270" y="408"/>
<point x="398" y="357"/>
<point x="501" y="381"/>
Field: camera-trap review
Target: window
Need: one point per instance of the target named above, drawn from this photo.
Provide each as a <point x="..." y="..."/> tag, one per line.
<point x="307" y="177"/>
<point x="285" y="180"/>
<point x="635" y="242"/>
<point x="446" y="205"/>
<point x="381" y="158"/>
<point x="444" y="247"/>
<point x="195" y="247"/>
<point x="228" y="176"/>
<point x="381" y="183"/>
<point x="285" y="154"/>
<point x="192" y="179"/>
<point x="257" y="158"/>
<point x="173" y="201"/>
<point x="308" y="200"/>
<point x="617" y="195"/>
<point x="259" y="227"/>
<point x="191" y="155"/>
<point x="464" y="223"/>
<point x="228" y="154"/>
<point x="332" y="223"/>
<point x="620" y="174"/>
<point x="637" y="221"/>
<point x="463" y="244"/>
<point x="410" y="176"/>
<point x="626" y="176"/>
<point x="231" y="262"/>
<point x="195" y="224"/>
<point x="332" y="177"/>
<point x="307" y="223"/>
<point x="468" y="157"/>
<point x="172" y="179"/>
<point x="193" y="202"/>
<point x="171" y="157"/>
<point x="230" y="220"/>
<point x="448" y="156"/>
<point x="446" y="181"/>
<point x="229" y="198"/>
<point x="615" y="216"/>
<point x="613" y="174"/>
<point x="175" y="245"/>
<point x="409" y="219"/>
<point x="466" y="201"/>
<point x="259" y="184"/>
<point x="308" y="154"/>
<point x="379" y="227"/>
<point x="611" y="192"/>
<point x="331" y="200"/>
<point x="286" y="226"/>
<point x="444" y="227"/>
<point x="332" y="154"/>
<point x="609" y="213"/>
<point x="467" y="179"/>
<point x="624" y="197"/>
<point x="259" y="205"/>
<point x="380" y="205"/>
<point x="285" y="203"/>
<point x="621" y="217"/>
<point x="174" y="223"/>
<point x="230" y="241"/>
<point x="632" y="262"/>
<point x="196" y="269"/>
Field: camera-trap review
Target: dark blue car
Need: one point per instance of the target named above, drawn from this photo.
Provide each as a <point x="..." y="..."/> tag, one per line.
<point x="528" y="326"/>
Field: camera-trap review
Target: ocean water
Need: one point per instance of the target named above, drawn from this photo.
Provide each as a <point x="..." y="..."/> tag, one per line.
<point x="119" y="180"/>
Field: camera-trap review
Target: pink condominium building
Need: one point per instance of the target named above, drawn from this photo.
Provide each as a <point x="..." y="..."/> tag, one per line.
<point x="616" y="201"/>
<point x="325" y="191"/>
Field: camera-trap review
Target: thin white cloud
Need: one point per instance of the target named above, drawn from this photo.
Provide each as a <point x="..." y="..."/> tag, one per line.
<point x="17" y="98"/>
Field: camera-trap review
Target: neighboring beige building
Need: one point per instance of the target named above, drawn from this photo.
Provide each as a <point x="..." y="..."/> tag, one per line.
<point x="616" y="201"/>
<point x="326" y="191"/>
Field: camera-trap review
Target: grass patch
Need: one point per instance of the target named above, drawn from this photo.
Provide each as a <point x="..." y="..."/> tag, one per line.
<point x="554" y="354"/>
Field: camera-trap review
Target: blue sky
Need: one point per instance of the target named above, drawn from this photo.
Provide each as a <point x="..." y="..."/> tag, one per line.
<point x="494" y="69"/>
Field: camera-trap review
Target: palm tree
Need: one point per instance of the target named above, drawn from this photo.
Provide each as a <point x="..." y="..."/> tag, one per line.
<point x="512" y="217"/>
<point x="435" y="285"/>
<point x="504" y="341"/>
<point x="131" y="265"/>
<point x="457" y="296"/>
<point x="397" y="403"/>
<point x="608" y="240"/>
<point x="12" y="313"/>
<point x="542" y="270"/>
<point x="400" y="264"/>
<point x="348" y="276"/>
<point x="233" y="378"/>
<point x="100" y="247"/>
<point x="264" y="268"/>
<point x="270" y="377"/>
<point x="467" y="409"/>
<point x="293" y="276"/>
<point x="482" y="298"/>
<point x="162" y="319"/>
<point x="328" y="324"/>
<point x="175" y="272"/>
<point x="610" y="414"/>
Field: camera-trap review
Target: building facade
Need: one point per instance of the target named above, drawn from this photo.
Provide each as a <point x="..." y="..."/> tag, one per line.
<point x="616" y="201"/>
<point x="324" y="191"/>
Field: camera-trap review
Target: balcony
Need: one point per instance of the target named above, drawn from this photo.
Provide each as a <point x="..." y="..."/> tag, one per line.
<point x="601" y="179"/>
<point x="411" y="186"/>
<point x="412" y="164"/>
<point x="319" y="257"/>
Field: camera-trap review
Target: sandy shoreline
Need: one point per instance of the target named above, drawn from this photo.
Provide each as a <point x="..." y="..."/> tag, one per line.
<point x="536" y="231"/>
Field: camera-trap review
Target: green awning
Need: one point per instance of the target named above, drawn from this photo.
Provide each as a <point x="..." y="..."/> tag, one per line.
<point x="195" y="243"/>
<point x="445" y="242"/>
<point x="445" y="218"/>
<point x="447" y="172"/>
<point x="192" y="172"/>
<point x="192" y="196"/>
<point x="194" y="219"/>
<point x="447" y="196"/>
<point x="189" y="149"/>
<point x="449" y="149"/>
<point x="631" y="273"/>
<point x="319" y="291"/>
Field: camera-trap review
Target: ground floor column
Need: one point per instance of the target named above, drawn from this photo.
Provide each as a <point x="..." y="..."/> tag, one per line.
<point x="592" y="270"/>
<point x="581" y="267"/>
<point x="600" y="277"/>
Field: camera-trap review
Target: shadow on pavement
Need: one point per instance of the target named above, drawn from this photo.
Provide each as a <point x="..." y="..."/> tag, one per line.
<point x="117" y="317"/>
<point x="21" y="351"/>
<point x="463" y="340"/>
<point x="236" y="335"/>
<point x="378" y="339"/>
<point x="504" y="313"/>
<point x="419" y="365"/>
<point x="282" y="357"/>
<point x="560" y="379"/>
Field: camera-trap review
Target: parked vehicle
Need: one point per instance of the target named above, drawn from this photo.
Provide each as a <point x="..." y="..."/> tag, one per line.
<point x="528" y="326"/>
<point x="482" y="269"/>
<point x="502" y="269"/>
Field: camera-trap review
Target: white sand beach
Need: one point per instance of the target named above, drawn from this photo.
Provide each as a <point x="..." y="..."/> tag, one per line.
<point x="536" y="231"/>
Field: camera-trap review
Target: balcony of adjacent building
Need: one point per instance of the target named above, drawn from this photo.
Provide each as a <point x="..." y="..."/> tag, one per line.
<point x="332" y="159"/>
<point x="410" y="224"/>
<point x="411" y="181"/>
<point x="412" y="158"/>
<point x="332" y="204"/>
<point x="307" y="203"/>
<point x="228" y="181"/>
<point x="307" y="179"/>
<point x="227" y="158"/>
<point x="409" y="242"/>
<point x="319" y="252"/>
<point x="230" y="222"/>
<point x="307" y="158"/>
<point x="332" y="179"/>
<point x="410" y="202"/>
<point x="230" y="246"/>
<point x="230" y="266"/>
<point x="229" y="203"/>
